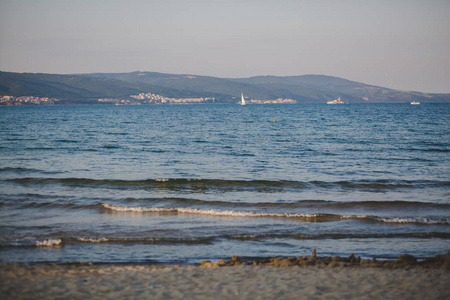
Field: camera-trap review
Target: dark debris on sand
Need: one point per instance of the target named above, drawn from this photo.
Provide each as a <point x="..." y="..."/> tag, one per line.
<point x="404" y="261"/>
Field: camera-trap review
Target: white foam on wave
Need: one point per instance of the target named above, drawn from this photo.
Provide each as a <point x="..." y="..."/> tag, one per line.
<point x="168" y="179"/>
<point x="207" y="212"/>
<point x="90" y="240"/>
<point x="355" y="217"/>
<point x="49" y="243"/>
<point x="414" y="220"/>
<point x="418" y="220"/>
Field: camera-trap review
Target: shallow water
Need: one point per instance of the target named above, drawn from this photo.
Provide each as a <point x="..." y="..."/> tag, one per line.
<point x="179" y="184"/>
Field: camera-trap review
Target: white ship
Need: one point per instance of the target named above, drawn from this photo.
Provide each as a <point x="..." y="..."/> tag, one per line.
<point x="242" y="99"/>
<point x="337" y="101"/>
<point x="415" y="103"/>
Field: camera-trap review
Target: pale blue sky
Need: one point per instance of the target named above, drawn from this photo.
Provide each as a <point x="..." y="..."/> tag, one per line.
<point x="401" y="44"/>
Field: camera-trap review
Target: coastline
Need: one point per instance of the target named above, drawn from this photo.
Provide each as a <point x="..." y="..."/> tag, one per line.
<point x="400" y="279"/>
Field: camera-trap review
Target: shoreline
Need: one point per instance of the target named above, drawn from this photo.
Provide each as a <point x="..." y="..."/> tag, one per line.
<point x="236" y="279"/>
<point x="441" y="261"/>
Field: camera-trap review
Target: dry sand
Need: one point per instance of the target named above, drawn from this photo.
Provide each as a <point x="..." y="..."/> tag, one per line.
<point x="19" y="281"/>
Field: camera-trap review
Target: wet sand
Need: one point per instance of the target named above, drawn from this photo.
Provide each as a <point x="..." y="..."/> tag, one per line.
<point x="244" y="280"/>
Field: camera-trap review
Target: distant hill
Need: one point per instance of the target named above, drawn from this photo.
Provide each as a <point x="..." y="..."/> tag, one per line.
<point x="350" y="91"/>
<point x="88" y="88"/>
<point x="78" y="88"/>
<point x="305" y="88"/>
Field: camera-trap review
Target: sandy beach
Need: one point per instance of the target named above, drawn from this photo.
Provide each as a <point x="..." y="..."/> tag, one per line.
<point x="242" y="281"/>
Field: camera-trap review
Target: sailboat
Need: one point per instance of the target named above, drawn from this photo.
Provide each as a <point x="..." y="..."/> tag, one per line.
<point x="242" y="99"/>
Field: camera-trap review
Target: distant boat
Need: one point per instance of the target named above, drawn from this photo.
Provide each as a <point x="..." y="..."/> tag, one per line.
<point x="337" y="101"/>
<point x="242" y="99"/>
<point x="415" y="103"/>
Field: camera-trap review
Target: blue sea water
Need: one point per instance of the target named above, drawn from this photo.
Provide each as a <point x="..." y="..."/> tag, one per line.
<point x="177" y="184"/>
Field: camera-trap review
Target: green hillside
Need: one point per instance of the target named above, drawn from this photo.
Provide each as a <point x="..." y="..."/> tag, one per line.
<point x="78" y="88"/>
<point x="88" y="88"/>
<point x="350" y="91"/>
<point x="305" y="88"/>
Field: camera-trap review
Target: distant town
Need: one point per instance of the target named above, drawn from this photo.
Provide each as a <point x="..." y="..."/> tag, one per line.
<point x="26" y="100"/>
<point x="142" y="98"/>
<point x="149" y="98"/>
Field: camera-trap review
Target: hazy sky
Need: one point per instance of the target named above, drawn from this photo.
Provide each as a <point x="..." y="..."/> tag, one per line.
<point x="401" y="44"/>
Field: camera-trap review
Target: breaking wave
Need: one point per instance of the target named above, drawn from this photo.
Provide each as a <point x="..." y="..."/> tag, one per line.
<point x="213" y="212"/>
<point x="205" y="185"/>
<point x="49" y="243"/>
<point x="250" y="214"/>
<point x="396" y="220"/>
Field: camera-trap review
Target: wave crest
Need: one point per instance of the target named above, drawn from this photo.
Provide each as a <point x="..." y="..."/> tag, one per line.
<point x="49" y="243"/>
<point x="212" y="212"/>
<point x="199" y="184"/>
<point x="397" y="220"/>
<point x="415" y="221"/>
<point x="250" y="214"/>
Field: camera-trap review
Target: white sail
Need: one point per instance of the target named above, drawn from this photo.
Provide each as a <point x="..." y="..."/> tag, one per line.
<point x="242" y="99"/>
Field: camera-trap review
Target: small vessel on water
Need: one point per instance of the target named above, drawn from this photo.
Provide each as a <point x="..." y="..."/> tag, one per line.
<point x="337" y="101"/>
<point x="242" y="99"/>
<point x="415" y="103"/>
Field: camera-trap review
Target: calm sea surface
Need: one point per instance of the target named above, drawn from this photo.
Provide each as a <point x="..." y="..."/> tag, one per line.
<point x="180" y="184"/>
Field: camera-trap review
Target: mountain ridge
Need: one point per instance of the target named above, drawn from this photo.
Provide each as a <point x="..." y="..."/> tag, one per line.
<point x="88" y="88"/>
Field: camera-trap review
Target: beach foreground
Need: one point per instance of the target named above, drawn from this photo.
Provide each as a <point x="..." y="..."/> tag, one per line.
<point x="243" y="281"/>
